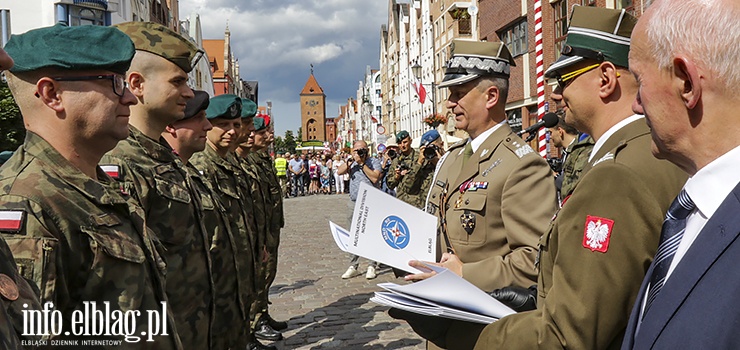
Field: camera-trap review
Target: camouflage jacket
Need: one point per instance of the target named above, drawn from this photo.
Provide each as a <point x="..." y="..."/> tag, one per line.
<point x="414" y="187"/>
<point x="151" y="172"/>
<point x="405" y="161"/>
<point x="15" y="291"/>
<point x="265" y="168"/>
<point x="224" y="179"/>
<point x="257" y="192"/>
<point x="578" y="153"/>
<point x="83" y="241"/>
<point x="229" y="308"/>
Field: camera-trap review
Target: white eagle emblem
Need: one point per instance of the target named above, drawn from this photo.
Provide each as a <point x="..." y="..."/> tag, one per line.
<point x="597" y="233"/>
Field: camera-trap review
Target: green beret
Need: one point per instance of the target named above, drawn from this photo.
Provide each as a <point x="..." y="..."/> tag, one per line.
<point x="598" y="34"/>
<point x="474" y="59"/>
<point x="224" y="106"/>
<point x="71" y="48"/>
<point x="402" y="135"/>
<point x="249" y="108"/>
<point x="259" y="124"/>
<point x="164" y="42"/>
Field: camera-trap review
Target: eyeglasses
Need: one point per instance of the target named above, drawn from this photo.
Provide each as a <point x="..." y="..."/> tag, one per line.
<point x="118" y="81"/>
<point x="565" y="79"/>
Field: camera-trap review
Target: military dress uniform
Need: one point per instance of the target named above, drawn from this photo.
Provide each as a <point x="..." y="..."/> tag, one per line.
<point x="596" y="250"/>
<point x="82" y="240"/>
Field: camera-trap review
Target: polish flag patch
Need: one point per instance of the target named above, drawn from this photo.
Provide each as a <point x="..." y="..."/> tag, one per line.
<point x="11" y="220"/>
<point x="112" y="170"/>
<point x="597" y="233"/>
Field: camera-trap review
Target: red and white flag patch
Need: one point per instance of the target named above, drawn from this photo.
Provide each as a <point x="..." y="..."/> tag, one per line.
<point x="112" y="170"/>
<point x="597" y="233"/>
<point x="11" y="220"/>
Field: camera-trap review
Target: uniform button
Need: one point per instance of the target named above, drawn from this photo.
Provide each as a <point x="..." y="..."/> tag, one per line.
<point x="508" y="139"/>
<point x="434" y="196"/>
<point x="467" y="201"/>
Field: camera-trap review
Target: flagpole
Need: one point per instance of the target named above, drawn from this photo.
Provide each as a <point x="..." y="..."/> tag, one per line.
<point x="542" y="142"/>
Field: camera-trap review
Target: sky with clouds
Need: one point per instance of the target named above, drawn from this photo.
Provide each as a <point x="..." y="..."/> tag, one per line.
<point x="277" y="40"/>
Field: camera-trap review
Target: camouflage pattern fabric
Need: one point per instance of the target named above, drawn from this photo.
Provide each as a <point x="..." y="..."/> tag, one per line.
<point x="83" y="240"/>
<point x="162" y="41"/>
<point x="223" y="178"/>
<point x="155" y="177"/>
<point x="578" y="153"/>
<point x="229" y="311"/>
<point x="414" y="187"/>
<point x="406" y="161"/>
<point x="15" y="292"/>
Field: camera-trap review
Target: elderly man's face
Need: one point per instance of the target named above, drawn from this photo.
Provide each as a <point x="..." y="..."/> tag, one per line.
<point x="657" y="98"/>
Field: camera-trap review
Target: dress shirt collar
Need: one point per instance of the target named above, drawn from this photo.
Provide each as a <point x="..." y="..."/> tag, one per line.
<point x="709" y="187"/>
<point x="476" y="142"/>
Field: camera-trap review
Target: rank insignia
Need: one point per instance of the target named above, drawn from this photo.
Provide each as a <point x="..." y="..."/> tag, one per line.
<point x="488" y="170"/>
<point x="467" y="220"/>
<point x="597" y="233"/>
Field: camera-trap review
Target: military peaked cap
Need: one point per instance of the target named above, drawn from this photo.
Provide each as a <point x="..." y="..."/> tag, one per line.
<point x="474" y="59"/>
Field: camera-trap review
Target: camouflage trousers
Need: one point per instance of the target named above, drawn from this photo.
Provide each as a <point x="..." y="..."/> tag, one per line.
<point x="265" y="275"/>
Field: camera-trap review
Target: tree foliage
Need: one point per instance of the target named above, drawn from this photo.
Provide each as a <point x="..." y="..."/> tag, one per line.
<point x="11" y="122"/>
<point x="289" y="141"/>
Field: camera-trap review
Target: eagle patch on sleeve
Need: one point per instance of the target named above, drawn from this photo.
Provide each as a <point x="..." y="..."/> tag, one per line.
<point x="597" y="233"/>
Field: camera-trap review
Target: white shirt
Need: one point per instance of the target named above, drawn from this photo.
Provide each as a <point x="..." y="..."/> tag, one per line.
<point x="476" y="142"/>
<point x="708" y="188"/>
<point x="600" y="142"/>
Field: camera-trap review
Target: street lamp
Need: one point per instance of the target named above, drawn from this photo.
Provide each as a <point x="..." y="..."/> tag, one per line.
<point x="416" y="70"/>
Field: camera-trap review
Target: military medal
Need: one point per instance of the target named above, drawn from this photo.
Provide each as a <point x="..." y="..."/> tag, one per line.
<point x="8" y="288"/>
<point x="467" y="220"/>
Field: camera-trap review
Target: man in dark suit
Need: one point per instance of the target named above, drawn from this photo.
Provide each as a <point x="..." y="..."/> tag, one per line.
<point x="688" y="81"/>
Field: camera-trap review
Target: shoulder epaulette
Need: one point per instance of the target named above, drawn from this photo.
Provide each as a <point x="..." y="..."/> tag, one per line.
<point x="517" y="146"/>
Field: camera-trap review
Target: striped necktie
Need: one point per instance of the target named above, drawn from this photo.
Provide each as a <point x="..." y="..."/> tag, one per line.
<point x="670" y="237"/>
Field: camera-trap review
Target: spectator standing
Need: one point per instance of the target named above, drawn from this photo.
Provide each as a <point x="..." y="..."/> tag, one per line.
<point x="296" y="168"/>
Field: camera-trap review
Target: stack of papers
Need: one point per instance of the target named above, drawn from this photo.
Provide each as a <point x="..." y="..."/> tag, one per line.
<point x="445" y="295"/>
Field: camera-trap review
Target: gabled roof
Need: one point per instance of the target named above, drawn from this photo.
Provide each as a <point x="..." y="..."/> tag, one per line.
<point x="215" y="50"/>
<point x="312" y="87"/>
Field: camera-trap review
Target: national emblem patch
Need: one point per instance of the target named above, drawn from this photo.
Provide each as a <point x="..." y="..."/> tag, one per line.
<point x="597" y="233"/>
<point x="11" y="220"/>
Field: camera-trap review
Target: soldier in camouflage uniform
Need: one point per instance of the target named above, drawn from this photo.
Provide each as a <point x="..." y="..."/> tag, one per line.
<point x="187" y="137"/>
<point x="14" y="289"/>
<point x="406" y="159"/>
<point x="262" y="165"/>
<point x="227" y="181"/>
<point x="575" y="163"/>
<point x="74" y="231"/>
<point x="259" y="188"/>
<point x="149" y="170"/>
<point x="414" y="187"/>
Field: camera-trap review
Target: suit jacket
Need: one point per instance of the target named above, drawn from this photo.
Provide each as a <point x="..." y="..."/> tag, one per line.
<point x="698" y="305"/>
<point x="587" y="284"/>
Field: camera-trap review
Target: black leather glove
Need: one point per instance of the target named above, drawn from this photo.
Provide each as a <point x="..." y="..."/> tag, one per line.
<point x="518" y="298"/>
<point x="431" y="328"/>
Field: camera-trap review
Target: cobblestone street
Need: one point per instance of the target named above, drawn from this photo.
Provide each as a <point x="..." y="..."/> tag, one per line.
<point x="324" y="311"/>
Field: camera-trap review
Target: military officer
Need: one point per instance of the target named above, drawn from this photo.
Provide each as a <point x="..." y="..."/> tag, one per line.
<point x="187" y="137"/>
<point x="600" y="244"/>
<point x="493" y="194"/>
<point x="14" y="289"/>
<point x="149" y="170"/>
<point x="414" y="186"/>
<point x="73" y="230"/>
<point x="227" y="179"/>
<point x="403" y="162"/>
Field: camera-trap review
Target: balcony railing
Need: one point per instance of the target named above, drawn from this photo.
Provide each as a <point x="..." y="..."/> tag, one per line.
<point x="100" y="4"/>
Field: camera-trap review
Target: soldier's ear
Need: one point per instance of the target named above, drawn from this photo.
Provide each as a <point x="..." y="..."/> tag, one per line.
<point x="47" y="90"/>
<point x="493" y="95"/>
<point x="136" y="83"/>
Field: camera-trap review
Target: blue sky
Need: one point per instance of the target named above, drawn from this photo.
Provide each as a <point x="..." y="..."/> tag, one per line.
<point x="277" y="40"/>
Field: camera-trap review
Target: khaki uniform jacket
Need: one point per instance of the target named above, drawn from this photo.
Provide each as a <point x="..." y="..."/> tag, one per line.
<point x="151" y="172"/>
<point x="83" y="240"/>
<point x="589" y="279"/>
<point x="495" y="223"/>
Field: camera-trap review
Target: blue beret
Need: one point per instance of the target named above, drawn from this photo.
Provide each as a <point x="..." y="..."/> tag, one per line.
<point x="71" y="48"/>
<point x="224" y="106"/>
<point x="429" y="137"/>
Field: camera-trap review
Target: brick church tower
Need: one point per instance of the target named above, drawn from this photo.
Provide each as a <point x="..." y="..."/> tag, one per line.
<point x="313" y="111"/>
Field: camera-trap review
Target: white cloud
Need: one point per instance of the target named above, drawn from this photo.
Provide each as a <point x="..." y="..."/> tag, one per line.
<point x="275" y="41"/>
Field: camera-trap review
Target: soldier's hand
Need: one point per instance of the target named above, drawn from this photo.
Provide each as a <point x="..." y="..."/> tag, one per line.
<point x="421" y="265"/>
<point x="430" y="328"/>
<point x="518" y="298"/>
